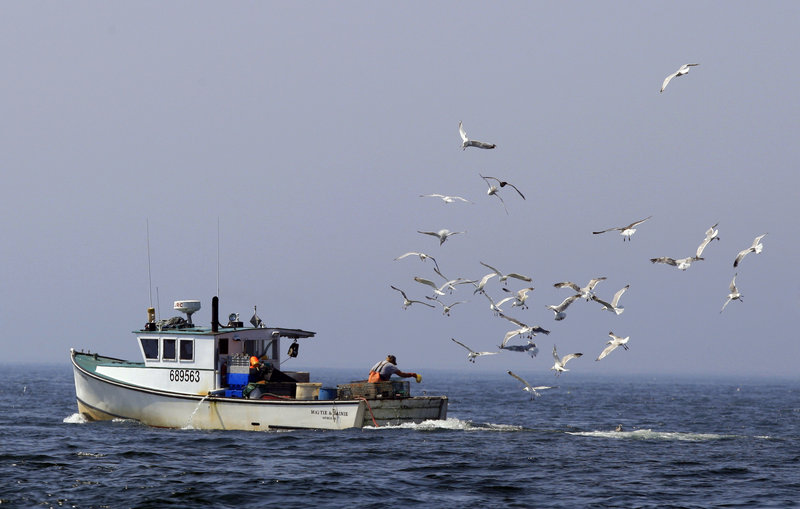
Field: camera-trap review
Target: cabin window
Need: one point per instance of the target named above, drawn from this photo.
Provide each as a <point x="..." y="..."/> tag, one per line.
<point x="149" y="347"/>
<point x="187" y="350"/>
<point x="223" y="346"/>
<point x="168" y="350"/>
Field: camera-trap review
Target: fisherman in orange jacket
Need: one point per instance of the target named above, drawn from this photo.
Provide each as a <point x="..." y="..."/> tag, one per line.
<point x="383" y="371"/>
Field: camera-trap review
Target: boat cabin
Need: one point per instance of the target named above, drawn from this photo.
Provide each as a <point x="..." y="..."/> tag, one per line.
<point x="178" y="344"/>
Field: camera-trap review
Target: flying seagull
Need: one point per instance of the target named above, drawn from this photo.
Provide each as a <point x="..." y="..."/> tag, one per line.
<point x="530" y="348"/>
<point x="445" y="307"/>
<point x="441" y="234"/>
<point x="520" y="297"/>
<point x="680" y="72"/>
<point x="755" y="248"/>
<point x="586" y="291"/>
<point x="711" y="234"/>
<point x="451" y="283"/>
<point x="428" y="282"/>
<point x="422" y="256"/>
<point x="528" y="387"/>
<point x="613" y="305"/>
<point x="466" y="142"/>
<point x="472" y="353"/>
<point x="407" y="302"/>
<point x="561" y="309"/>
<point x="560" y="362"/>
<point x="445" y="198"/>
<point x="734" y="295"/>
<point x="625" y="231"/>
<point x="530" y="330"/>
<point x="681" y="263"/>
<point x="482" y="282"/>
<point x="613" y="344"/>
<point x="504" y="277"/>
<point x="494" y="188"/>
<point x="495" y="306"/>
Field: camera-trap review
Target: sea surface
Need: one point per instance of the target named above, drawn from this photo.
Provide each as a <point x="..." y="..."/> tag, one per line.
<point x="706" y="442"/>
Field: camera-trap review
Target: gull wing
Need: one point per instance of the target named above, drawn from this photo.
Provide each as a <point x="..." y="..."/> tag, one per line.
<point x="733" y="284"/>
<point x="568" y="284"/>
<point x="462" y="132"/>
<point x="465" y="346"/>
<point x="667" y="80"/>
<point x="503" y="184"/>
<point x="569" y="357"/>
<point x="618" y="295"/>
<point x="524" y="382"/>
<point x="610" y="348"/>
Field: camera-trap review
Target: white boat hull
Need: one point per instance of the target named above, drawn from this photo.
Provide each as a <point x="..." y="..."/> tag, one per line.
<point x="101" y="398"/>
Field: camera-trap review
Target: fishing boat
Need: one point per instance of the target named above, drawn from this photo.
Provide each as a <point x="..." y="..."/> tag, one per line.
<point x="198" y="377"/>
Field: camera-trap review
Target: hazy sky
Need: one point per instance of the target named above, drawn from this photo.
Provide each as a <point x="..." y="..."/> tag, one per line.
<point x="308" y="130"/>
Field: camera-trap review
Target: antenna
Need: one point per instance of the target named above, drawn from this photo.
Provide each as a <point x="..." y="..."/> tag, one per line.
<point x="149" y="273"/>
<point x="217" y="256"/>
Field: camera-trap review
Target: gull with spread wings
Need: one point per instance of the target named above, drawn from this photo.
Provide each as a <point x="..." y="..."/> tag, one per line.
<point x="612" y="306"/>
<point x="626" y="231"/>
<point x="560" y="362"/>
<point x="442" y="234"/>
<point x="407" y="302"/>
<point x="755" y="248"/>
<point x="613" y="344"/>
<point x="472" y="353"/>
<point x="734" y="295"/>
<point x="494" y="188"/>
<point x="528" y="387"/>
<point x="466" y="142"/>
<point x="682" y="70"/>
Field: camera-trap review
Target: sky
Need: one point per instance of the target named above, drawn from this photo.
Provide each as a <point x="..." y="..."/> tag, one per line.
<point x="275" y="153"/>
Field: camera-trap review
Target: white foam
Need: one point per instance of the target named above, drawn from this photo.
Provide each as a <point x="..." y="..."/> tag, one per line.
<point x="647" y="434"/>
<point x="75" y="419"/>
<point x="451" y="424"/>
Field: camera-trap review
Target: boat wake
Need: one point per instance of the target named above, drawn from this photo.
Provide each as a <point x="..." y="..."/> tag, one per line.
<point x="647" y="434"/>
<point x="75" y="419"/>
<point x="453" y="425"/>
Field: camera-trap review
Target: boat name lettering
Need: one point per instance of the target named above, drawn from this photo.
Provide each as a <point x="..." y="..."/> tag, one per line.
<point x="330" y="415"/>
<point x="184" y="375"/>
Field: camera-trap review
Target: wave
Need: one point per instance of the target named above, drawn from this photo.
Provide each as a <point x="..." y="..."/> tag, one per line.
<point x="648" y="434"/>
<point x="75" y="419"/>
<point x="452" y="424"/>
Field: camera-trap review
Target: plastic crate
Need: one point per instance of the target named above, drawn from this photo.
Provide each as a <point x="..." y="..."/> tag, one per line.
<point x="238" y="380"/>
<point x="232" y="393"/>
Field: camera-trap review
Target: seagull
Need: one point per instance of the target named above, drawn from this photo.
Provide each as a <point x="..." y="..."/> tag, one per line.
<point x="734" y="295"/>
<point x="504" y="277"/>
<point x="466" y="142"/>
<point x="711" y="234"/>
<point x="407" y="302"/>
<point x="483" y="281"/>
<point x="755" y="248"/>
<point x="422" y="256"/>
<point x="428" y="282"/>
<point x="445" y="198"/>
<point x="681" y="263"/>
<point x="558" y="367"/>
<point x="450" y="283"/>
<point x="495" y="306"/>
<point x="446" y="307"/>
<point x="530" y="348"/>
<point x="530" y="330"/>
<point x="441" y="234"/>
<point x="493" y="189"/>
<point x="561" y="309"/>
<point x="613" y="306"/>
<point x="586" y="291"/>
<point x="528" y="387"/>
<point x="472" y="353"/>
<point x="626" y="231"/>
<point x="680" y="72"/>
<point x="520" y="297"/>
<point x="613" y="344"/>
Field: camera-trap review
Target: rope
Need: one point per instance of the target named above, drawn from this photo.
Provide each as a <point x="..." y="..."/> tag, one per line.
<point x="370" y="412"/>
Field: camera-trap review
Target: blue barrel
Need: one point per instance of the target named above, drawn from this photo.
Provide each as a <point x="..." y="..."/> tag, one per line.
<point x="326" y="393"/>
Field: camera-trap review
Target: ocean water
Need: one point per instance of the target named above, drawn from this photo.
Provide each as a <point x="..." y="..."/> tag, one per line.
<point x="685" y="443"/>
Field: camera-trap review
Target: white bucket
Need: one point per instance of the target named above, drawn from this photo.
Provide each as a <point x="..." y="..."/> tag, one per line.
<point x="308" y="390"/>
